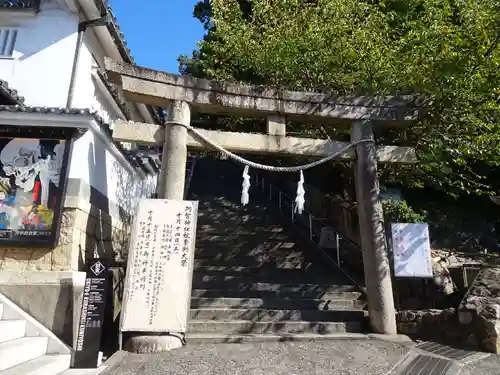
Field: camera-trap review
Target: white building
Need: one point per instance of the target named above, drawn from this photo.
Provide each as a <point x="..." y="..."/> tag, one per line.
<point x="50" y="81"/>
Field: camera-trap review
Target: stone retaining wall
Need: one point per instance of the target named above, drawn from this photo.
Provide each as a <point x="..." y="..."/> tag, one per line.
<point x="431" y="324"/>
<point x="480" y="309"/>
<point x="48" y="283"/>
<point x="86" y="231"/>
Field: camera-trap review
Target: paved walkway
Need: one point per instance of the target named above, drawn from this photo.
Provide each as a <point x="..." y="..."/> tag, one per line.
<point x="360" y="357"/>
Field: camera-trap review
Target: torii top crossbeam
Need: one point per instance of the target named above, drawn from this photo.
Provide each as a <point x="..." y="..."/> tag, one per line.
<point x="159" y="88"/>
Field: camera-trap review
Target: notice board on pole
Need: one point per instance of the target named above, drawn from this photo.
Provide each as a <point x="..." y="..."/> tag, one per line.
<point x="411" y="250"/>
<point x="160" y="267"/>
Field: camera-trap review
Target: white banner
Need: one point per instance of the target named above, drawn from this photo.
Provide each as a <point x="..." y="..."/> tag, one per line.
<point x="160" y="267"/>
<point x="411" y="250"/>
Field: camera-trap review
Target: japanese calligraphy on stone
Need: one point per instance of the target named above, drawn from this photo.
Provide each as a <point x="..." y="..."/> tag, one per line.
<point x="160" y="266"/>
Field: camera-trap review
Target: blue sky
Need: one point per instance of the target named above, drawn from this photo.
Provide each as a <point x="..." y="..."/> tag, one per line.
<point x="158" y="31"/>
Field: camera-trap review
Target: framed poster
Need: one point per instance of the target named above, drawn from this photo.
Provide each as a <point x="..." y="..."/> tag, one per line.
<point x="33" y="177"/>
<point x="411" y="250"/>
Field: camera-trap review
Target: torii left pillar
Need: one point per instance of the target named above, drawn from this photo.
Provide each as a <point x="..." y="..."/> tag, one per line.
<point x="170" y="186"/>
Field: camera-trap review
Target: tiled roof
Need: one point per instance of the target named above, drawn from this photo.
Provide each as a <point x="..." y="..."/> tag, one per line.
<point x="10" y="94"/>
<point x="115" y="32"/>
<point x="53" y="110"/>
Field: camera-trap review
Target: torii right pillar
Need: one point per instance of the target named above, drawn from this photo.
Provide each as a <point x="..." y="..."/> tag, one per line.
<point x="373" y="241"/>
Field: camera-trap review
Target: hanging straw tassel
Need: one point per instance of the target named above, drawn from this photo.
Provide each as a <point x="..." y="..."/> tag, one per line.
<point x="299" y="200"/>
<point x="246" y="186"/>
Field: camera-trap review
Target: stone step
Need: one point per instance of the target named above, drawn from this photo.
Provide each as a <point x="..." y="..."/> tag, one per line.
<point x="238" y="271"/>
<point x="268" y="315"/>
<point x="225" y="224"/>
<point x="270" y="294"/>
<point x="246" y="260"/>
<point x="270" y="277"/>
<point x="15" y="352"/>
<point x="209" y="215"/>
<point x="223" y="229"/>
<point x="274" y="287"/>
<point x="213" y="251"/>
<point x="84" y="371"/>
<point x="221" y="338"/>
<point x="45" y="365"/>
<point x="12" y="329"/>
<point x="349" y="301"/>
<point x="252" y="262"/>
<point x="234" y="238"/>
<point x="245" y="326"/>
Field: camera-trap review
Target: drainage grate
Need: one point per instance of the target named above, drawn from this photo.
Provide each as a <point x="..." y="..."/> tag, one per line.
<point x="426" y="365"/>
<point x="445" y="351"/>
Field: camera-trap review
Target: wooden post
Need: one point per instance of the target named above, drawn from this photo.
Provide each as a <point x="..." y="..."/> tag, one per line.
<point x="373" y="241"/>
<point x="171" y="186"/>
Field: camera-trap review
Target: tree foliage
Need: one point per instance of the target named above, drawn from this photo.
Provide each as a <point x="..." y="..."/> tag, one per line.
<point x="446" y="50"/>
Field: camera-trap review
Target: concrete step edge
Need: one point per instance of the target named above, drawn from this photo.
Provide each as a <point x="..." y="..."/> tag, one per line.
<point x="49" y="364"/>
<point x="12" y="329"/>
<point x="195" y="338"/>
<point x="15" y="352"/>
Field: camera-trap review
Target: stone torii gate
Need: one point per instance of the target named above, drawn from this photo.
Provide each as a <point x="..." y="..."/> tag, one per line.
<point x="181" y="94"/>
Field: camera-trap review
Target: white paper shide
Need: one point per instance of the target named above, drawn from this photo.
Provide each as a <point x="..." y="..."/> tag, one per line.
<point x="412" y="250"/>
<point x="160" y="267"/>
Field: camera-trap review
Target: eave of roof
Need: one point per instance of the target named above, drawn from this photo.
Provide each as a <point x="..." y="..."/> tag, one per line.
<point x="121" y="44"/>
<point x="135" y="159"/>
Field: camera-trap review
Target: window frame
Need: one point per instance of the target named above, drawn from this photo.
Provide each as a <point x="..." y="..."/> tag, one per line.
<point x="8" y="43"/>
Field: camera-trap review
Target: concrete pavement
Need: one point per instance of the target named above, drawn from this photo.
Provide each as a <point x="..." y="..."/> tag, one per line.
<point x="360" y="357"/>
<point x="363" y="356"/>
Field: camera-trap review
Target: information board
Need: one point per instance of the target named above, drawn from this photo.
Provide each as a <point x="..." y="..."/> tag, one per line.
<point x="160" y="267"/>
<point x="88" y="340"/>
<point x="411" y="250"/>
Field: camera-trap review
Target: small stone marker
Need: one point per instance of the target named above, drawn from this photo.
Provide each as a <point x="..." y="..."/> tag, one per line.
<point x="160" y="267"/>
<point x="327" y="238"/>
<point x="88" y="341"/>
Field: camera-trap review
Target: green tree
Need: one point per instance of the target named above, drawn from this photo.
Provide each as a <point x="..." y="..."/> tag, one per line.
<point x="445" y="50"/>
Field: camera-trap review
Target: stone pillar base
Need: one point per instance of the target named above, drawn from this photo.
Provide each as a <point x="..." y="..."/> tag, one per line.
<point x="151" y="343"/>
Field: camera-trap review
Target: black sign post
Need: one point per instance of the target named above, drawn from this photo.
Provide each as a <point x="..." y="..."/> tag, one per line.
<point x="88" y="342"/>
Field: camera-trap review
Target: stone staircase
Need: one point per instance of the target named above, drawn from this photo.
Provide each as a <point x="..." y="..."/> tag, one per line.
<point x="26" y="347"/>
<point x="254" y="278"/>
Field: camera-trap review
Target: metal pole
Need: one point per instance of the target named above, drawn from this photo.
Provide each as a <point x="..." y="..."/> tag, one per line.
<point x="279" y="200"/>
<point x="310" y="227"/>
<point x="293" y="214"/>
<point x="82" y="26"/>
<point x="337" y="245"/>
<point x="74" y="70"/>
<point x="270" y="192"/>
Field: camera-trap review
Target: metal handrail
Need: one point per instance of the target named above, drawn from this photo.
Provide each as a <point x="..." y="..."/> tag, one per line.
<point x="284" y="200"/>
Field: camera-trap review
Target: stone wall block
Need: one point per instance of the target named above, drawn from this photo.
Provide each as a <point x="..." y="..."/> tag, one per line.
<point x="23" y="259"/>
<point x="480" y="309"/>
<point x="65" y="258"/>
